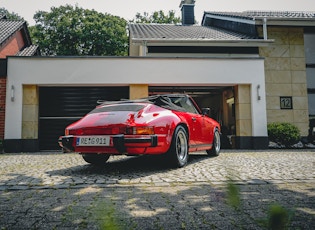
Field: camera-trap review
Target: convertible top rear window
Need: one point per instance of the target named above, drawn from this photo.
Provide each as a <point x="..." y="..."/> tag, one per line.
<point x="118" y="107"/>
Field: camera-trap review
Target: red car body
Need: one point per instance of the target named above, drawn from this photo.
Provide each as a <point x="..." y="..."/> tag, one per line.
<point x="144" y="126"/>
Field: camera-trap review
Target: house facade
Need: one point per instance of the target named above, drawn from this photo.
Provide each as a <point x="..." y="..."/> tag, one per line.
<point x="285" y="40"/>
<point x="14" y="40"/>
<point x="249" y="68"/>
<point x="289" y="60"/>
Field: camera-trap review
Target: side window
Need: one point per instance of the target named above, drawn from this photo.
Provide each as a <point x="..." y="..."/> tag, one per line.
<point x="184" y="103"/>
<point x="190" y="106"/>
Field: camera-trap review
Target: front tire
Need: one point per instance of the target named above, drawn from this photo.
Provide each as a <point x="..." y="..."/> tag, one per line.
<point x="95" y="159"/>
<point x="216" y="145"/>
<point x="178" y="152"/>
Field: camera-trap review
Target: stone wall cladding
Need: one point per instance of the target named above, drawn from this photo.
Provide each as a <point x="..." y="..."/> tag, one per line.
<point x="285" y="73"/>
<point x="243" y="117"/>
<point x="138" y="91"/>
<point x="30" y="112"/>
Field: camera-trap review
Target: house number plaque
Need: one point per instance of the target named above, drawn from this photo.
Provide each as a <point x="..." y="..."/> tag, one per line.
<point x="286" y="103"/>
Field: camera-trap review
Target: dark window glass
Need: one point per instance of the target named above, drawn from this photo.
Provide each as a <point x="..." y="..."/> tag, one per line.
<point x="123" y="107"/>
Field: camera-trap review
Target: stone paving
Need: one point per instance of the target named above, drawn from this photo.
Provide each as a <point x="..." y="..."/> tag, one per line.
<point x="52" y="190"/>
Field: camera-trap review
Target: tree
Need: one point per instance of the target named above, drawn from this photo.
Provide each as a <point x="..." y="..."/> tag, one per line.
<point x="10" y="15"/>
<point x="157" y="17"/>
<point x="68" y="30"/>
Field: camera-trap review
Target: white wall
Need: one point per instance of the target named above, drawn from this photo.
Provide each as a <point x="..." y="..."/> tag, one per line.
<point x="89" y="71"/>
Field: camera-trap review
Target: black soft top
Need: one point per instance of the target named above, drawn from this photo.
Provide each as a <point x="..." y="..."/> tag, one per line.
<point x="167" y="101"/>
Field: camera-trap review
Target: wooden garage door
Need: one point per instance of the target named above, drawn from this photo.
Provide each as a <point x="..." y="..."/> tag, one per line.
<point x="61" y="106"/>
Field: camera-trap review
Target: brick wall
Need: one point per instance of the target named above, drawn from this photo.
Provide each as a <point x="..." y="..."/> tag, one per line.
<point x="13" y="45"/>
<point x="2" y="105"/>
<point x="10" y="47"/>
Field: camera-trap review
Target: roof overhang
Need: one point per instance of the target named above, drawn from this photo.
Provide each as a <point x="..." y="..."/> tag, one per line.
<point x="203" y="42"/>
<point x="227" y="18"/>
<point x="259" y="20"/>
<point x="286" y="22"/>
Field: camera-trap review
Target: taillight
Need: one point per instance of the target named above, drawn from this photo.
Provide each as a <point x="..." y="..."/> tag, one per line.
<point x="141" y="130"/>
<point x="73" y="132"/>
<point x="118" y="130"/>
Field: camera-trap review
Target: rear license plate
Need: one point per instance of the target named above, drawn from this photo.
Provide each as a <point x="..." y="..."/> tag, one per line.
<point x="93" y="141"/>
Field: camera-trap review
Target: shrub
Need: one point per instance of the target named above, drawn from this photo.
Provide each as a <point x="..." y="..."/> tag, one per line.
<point x="278" y="217"/>
<point x="283" y="133"/>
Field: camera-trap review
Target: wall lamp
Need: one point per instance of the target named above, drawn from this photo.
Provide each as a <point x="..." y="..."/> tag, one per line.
<point x="12" y="92"/>
<point x="258" y="96"/>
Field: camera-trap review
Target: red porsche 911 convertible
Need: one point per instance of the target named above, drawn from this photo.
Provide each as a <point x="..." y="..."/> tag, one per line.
<point x="169" y="124"/>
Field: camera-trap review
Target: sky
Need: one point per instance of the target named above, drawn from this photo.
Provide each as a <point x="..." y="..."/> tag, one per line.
<point x="127" y="9"/>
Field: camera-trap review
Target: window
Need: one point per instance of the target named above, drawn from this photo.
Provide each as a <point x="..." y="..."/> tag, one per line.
<point x="185" y="103"/>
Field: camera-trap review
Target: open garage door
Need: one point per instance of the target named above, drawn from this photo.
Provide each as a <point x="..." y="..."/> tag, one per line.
<point x="220" y="100"/>
<point x="61" y="106"/>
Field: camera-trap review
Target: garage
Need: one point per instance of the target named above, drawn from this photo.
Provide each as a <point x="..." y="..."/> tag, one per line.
<point x="61" y="106"/>
<point x="54" y="116"/>
<point x="39" y="93"/>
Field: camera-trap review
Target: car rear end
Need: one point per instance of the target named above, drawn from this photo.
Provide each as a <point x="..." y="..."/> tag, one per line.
<point x="128" y="128"/>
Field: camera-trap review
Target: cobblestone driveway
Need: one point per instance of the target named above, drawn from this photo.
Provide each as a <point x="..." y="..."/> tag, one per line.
<point x="61" y="191"/>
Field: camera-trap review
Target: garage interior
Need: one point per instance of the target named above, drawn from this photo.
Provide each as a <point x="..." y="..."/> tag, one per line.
<point x="220" y="100"/>
<point x="61" y="106"/>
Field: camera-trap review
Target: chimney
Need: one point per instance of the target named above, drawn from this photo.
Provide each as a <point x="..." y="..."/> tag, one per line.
<point x="188" y="12"/>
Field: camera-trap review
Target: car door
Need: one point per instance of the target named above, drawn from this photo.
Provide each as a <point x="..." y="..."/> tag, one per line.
<point x="202" y="131"/>
<point x="197" y="132"/>
<point x="199" y="128"/>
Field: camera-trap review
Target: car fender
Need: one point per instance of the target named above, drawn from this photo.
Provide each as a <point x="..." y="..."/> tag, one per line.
<point x="165" y="123"/>
<point x="185" y="123"/>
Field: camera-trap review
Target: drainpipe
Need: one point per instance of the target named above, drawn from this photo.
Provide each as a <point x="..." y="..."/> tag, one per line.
<point x="265" y="28"/>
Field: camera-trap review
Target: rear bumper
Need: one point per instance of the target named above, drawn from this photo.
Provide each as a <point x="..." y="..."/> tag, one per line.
<point x="120" y="143"/>
<point x="66" y="143"/>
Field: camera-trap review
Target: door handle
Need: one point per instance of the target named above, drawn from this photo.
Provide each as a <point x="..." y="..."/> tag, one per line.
<point x="193" y="118"/>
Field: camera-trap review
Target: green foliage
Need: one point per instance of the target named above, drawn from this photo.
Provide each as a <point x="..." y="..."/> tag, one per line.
<point x="107" y="216"/>
<point x="68" y="30"/>
<point x="278" y="218"/>
<point x="233" y="196"/>
<point x="283" y="133"/>
<point x="157" y="17"/>
<point x="10" y="15"/>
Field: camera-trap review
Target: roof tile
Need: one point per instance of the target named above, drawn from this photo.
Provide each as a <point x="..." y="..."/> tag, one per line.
<point x="8" y="28"/>
<point x="181" y="32"/>
<point x="268" y="14"/>
<point x="28" y="51"/>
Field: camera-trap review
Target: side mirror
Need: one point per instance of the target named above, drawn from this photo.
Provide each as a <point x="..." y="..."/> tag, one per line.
<point x="205" y="111"/>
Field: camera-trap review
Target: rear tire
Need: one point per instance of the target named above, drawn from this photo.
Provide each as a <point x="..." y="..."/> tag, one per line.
<point x="178" y="152"/>
<point x="216" y="145"/>
<point x="95" y="159"/>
